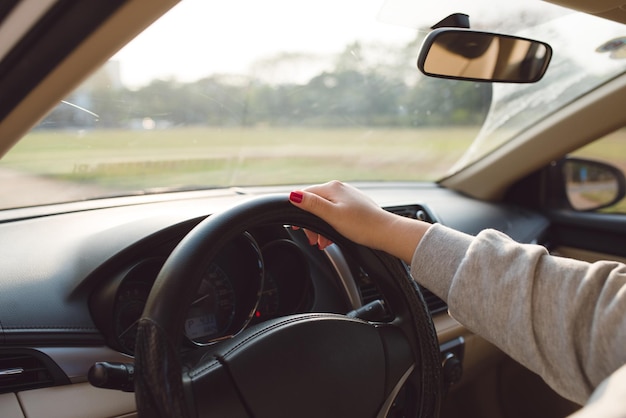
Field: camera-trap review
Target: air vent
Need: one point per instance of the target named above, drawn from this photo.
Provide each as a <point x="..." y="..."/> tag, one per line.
<point x="369" y="293"/>
<point x="412" y="211"/>
<point x="434" y="303"/>
<point x="25" y="369"/>
<point x="367" y="287"/>
<point x="368" y="290"/>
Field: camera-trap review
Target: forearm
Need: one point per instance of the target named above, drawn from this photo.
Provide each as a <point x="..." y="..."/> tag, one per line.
<point x="561" y="318"/>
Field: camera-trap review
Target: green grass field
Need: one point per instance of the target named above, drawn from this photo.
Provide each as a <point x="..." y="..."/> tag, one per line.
<point x="218" y="157"/>
<point x="205" y="156"/>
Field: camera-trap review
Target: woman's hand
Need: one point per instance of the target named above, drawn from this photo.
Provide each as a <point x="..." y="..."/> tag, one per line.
<point x="358" y="218"/>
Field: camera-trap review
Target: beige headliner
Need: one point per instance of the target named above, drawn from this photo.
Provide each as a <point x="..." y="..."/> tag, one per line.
<point x="608" y="9"/>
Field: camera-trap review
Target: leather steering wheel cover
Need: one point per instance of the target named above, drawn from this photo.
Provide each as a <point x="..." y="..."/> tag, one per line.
<point x="158" y="384"/>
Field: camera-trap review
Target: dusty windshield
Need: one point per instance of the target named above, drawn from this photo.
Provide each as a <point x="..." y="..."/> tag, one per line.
<point x="580" y="64"/>
<point x="209" y="97"/>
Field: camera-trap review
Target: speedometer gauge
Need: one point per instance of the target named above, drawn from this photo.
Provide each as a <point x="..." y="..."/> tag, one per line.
<point x="228" y="293"/>
<point x="226" y="297"/>
<point x="211" y="313"/>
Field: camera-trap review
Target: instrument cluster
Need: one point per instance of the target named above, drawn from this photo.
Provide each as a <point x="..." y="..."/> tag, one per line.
<point x="243" y="285"/>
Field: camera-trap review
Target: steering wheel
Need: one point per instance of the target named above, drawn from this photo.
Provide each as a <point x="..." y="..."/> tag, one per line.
<point x="306" y="365"/>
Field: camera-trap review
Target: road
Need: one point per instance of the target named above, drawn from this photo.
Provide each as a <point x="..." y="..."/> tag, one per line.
<point x="19" y="189"/>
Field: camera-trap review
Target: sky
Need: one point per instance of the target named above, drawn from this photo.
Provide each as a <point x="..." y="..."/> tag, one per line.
<point x="189" y="41"/>
<point x="198" y="38"/>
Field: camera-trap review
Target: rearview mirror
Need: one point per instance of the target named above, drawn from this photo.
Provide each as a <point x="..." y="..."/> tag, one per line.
<point x="465" y="54"/>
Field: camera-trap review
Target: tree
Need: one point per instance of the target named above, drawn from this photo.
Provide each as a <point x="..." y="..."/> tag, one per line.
<point x="366" y="84"/>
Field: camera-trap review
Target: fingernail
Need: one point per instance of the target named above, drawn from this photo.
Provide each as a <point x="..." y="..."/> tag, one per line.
<point x="296" y="197"/>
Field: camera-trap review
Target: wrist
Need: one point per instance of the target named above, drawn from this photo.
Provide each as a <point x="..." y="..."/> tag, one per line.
<point x="403" y="236"/>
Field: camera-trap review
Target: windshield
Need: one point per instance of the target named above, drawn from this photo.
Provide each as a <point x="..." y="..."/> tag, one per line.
<point x="224" y="94"/>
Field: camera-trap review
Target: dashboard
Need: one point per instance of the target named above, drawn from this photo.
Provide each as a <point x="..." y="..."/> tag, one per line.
<point x="74" y="278"/>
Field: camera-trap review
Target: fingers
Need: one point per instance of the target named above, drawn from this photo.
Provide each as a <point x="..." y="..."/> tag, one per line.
<point x="317" y="205"/>
<point x="323" y="242"/>
<point x="312" y="202"/>
<point x="348" y="210"/>
<point x="315" y="238"/>
<point x="344" y="208"/>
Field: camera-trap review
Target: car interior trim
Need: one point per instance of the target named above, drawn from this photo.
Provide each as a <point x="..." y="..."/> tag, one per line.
<point x="22" y="15"/>
<point x="76" y="361"/>
<point x="46" y="44"/>
<point x="77" y="400"/>
<point x="608" y="9"/>
<point x="120" y="28"/>
<point x="585" y="255"/>
<point x="10" y="406"/>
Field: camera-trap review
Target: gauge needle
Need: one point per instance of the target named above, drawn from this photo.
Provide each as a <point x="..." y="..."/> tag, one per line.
<point x="133" y="325"/>
<point x="200" y="299"/>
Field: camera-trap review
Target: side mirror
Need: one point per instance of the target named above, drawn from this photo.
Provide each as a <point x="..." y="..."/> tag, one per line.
<point x="592" y="185"/>
<point x="464" y="54"/>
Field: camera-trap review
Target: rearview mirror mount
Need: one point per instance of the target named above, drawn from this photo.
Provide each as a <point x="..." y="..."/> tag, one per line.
<point x="464" y="54"/>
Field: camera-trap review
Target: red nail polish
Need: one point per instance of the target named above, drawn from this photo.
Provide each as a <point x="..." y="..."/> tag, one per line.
<point x="296" y="197"/>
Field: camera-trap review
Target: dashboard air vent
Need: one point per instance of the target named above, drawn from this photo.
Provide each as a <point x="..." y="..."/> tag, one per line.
<point x="369" y="293"/>
<point x="24" y="369"/>
<point x="368" y="289"/>
<point x="435" y="304"/>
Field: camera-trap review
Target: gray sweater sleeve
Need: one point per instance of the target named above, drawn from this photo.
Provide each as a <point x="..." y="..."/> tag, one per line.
<point x="564" y="319"/>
